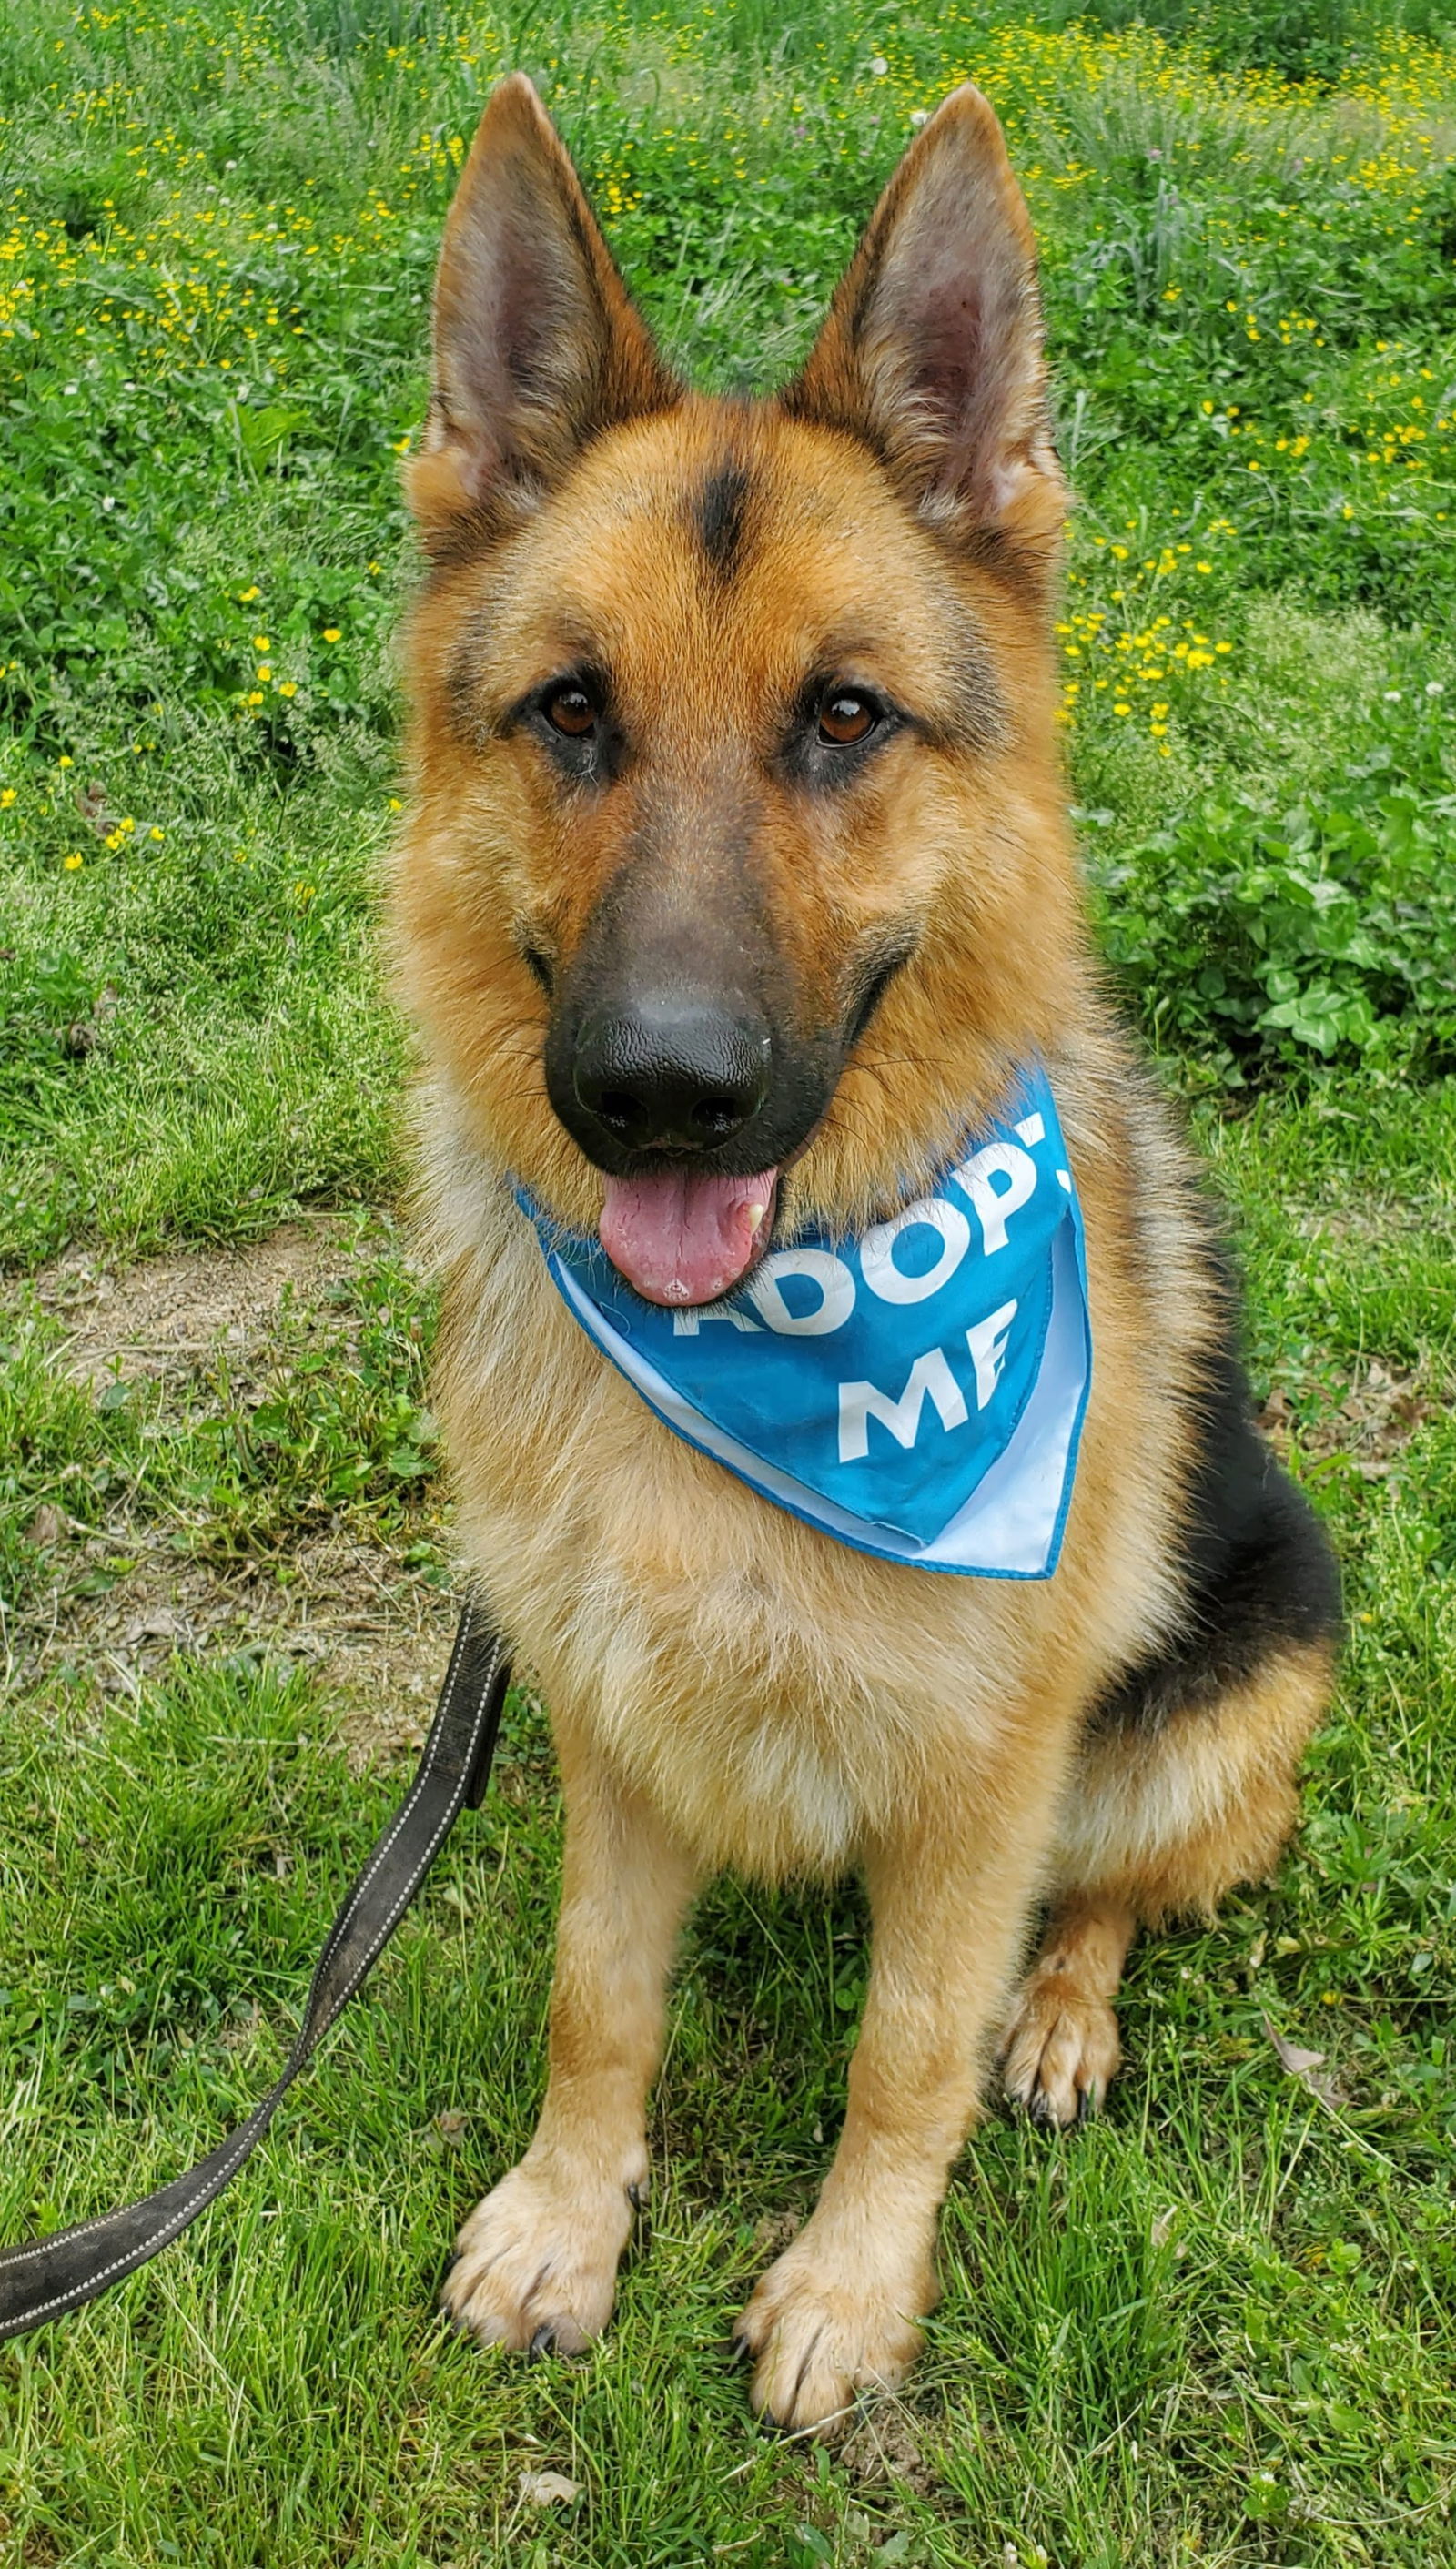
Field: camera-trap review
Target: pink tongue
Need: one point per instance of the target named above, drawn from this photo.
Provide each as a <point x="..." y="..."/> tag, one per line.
<point x="684" y="1236"/>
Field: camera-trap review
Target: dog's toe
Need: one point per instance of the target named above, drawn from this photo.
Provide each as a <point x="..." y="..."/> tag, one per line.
<point x="535" y="2267"/>
<point x="819" y="2337"/>
<point x="1061" y="2048"/>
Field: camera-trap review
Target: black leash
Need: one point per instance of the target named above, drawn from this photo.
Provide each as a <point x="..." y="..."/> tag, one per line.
<point x="43" y="2277"/>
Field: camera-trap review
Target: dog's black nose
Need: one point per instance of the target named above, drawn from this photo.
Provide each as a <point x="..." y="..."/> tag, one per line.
<point x="671" y="1074"/>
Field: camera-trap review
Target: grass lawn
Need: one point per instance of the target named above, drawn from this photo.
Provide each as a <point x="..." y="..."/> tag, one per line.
<point x="1217" y="2325"/>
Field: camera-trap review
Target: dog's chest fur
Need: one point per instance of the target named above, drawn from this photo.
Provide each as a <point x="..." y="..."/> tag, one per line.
<point x="770" y="1689"/>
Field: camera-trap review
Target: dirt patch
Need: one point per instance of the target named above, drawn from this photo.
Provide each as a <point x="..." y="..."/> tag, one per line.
<point x="1377" y="1417"/>
<point x="376" y="1635"/>
<point x="126" y="1602"/>
<point x="159" y="1316"/>
<point x="884" y="2450"/>
<point x="1372" y="1221"/>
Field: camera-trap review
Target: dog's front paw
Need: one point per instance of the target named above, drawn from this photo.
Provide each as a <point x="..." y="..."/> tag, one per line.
<point x="536" y="2264"/>
<point x="820" y="2334"/>
<point x="1061" y="2049"/>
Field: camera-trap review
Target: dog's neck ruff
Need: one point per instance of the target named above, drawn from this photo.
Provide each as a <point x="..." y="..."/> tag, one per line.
<point x="918" y="1392"/>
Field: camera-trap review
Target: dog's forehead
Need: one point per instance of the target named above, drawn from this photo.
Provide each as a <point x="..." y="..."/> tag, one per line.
<point x="733" y="528"/>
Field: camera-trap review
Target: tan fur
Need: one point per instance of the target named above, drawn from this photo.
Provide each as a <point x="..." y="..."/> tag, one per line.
<point x="727" y="1686"/>
<point x="1166" y="1826"/>
<point x="1062" y="2044"/>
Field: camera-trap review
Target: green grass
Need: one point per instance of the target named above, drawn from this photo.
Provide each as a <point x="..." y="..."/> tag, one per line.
<point x="1216" y="2326"/>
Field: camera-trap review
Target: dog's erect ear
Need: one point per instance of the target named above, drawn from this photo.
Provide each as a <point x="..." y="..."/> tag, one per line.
<point x="933" y="350"/>
<point x="537" y="346"/>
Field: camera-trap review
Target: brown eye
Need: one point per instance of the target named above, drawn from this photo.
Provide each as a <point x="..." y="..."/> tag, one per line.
<point x="570" y="710"/>
<point x="845" y="717"/>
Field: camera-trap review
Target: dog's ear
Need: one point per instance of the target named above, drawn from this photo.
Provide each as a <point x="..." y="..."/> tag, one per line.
<point x="932" y="349"/>
<point x="537" y="346"/>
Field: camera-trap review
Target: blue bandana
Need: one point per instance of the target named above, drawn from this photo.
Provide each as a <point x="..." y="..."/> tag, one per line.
<point x="918" y="1392"/>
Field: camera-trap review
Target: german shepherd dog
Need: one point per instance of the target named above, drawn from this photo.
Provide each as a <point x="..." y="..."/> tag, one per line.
<point x="736" y="885"/>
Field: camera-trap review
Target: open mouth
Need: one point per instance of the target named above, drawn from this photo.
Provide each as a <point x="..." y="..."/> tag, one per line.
<point x="685" y="1236"/>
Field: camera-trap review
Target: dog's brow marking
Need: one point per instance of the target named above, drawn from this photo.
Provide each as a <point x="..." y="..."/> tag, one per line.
<point x="466" y="717"/>
<point x="720" y="515"/>
<point x="470" y="717"/>
<point x="978" y="721"/>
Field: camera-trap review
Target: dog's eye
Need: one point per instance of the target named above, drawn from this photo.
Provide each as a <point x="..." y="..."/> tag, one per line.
<point x="846" y="717"/>
<point x="570" y="710"/>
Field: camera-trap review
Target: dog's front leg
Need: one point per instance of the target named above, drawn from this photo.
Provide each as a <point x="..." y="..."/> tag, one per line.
<point x="537" y="2259"/>
<point x="949" y="1894"/>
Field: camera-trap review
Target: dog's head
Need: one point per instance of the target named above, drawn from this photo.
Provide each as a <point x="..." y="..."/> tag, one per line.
<point x="736" y="878"/>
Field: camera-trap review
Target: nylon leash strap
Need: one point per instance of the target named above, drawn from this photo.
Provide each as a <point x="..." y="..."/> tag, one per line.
<point x="42" y="2279"/>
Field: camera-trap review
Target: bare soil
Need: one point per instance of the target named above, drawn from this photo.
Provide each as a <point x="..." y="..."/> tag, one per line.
<point x="163" y="1314"/>
<point x="1376" y="1419"/>
<point x="373" y="1631"/>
